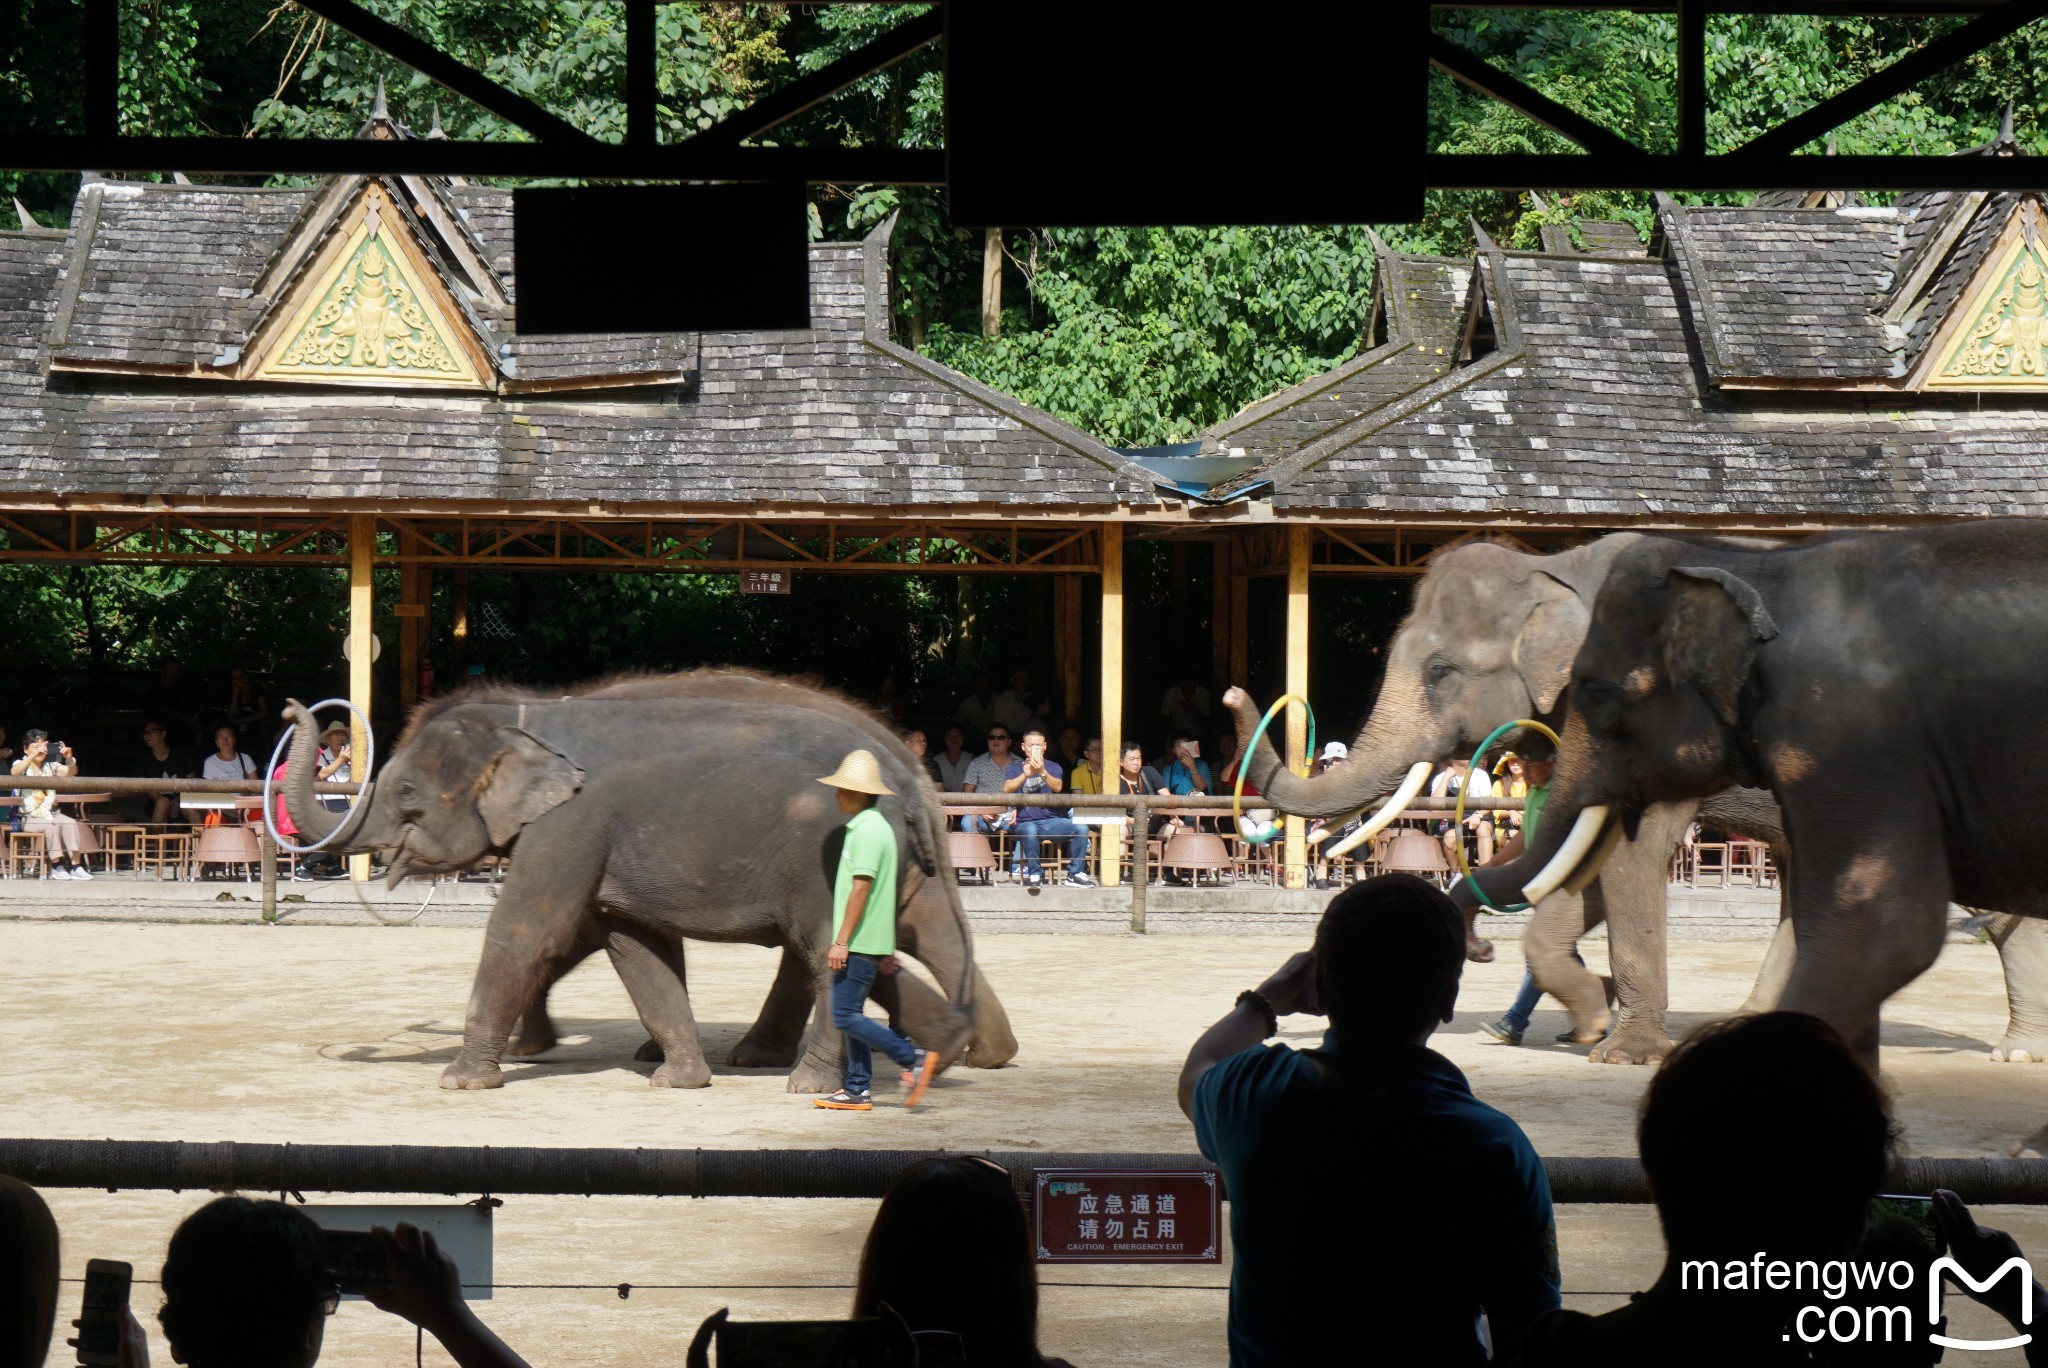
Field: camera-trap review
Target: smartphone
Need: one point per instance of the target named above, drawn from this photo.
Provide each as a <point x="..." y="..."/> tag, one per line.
<point x="356" y="1257"/>
<point x="1919" y="1211"/>
<point x="814" y="1344"/>
<point x="106" y="1306"/>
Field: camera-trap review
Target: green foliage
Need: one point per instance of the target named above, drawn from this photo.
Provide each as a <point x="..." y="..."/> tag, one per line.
<point x="1151" y="334"/>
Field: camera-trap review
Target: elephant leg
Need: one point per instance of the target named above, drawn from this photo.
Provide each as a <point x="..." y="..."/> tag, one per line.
<point x="533" y="928"/>
<point x="934" y="932"/>
<point x="821" y="1055"/>
<point x="993" y="1043"/>
<point x="1777" y="970"/>
<point x="928" y="1018"/>
<point x="651" y="966"/>
<point x="772" y="1041"/>
<point x="1553" y="933"/>
<point x="2023" y="948"/>
<point x="1631" y="891"/>
<point x="536" y="1032"/>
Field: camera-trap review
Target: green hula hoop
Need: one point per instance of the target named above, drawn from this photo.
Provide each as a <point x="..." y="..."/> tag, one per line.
<point x="1258" y="733"/>
<point x="1458" y="814"/>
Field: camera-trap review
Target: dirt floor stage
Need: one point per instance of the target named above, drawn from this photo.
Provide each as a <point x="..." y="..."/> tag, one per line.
<point x="322" y="1034"/>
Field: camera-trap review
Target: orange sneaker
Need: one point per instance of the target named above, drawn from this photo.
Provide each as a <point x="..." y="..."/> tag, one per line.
<point x="844" y="1101"/>
<point x="919" y="1078"/>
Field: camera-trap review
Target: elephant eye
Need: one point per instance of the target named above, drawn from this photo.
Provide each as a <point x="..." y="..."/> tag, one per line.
<point x="1439" y="670"/>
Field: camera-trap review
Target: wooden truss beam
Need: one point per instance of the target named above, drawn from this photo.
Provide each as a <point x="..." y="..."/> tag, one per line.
<point x="1488" y="79"/>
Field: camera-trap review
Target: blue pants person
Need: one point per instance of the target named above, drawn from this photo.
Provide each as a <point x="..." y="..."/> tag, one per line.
<point x="1525" y="1002"/>
<point x="864" y="1035"/>
<point x="1075" y="835"/>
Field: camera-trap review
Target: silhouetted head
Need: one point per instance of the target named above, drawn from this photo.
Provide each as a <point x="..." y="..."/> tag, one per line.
<point x="1764" y="1133"/>
<point x="1389" y="953"/>
<point x="28" y="1275"/>
<point x="949" y="1251"/>
<point x="246" y="1285"/>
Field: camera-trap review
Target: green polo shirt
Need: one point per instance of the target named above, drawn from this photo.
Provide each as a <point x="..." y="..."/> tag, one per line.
<point x="870" y="849"/>
<point x="1532" y="811"/>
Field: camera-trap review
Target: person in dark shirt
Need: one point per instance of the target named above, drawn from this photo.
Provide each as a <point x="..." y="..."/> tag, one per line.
<point x="161" y="760"/>
<point x="1378" y="1208"/>
<point x="1033" y="773"/>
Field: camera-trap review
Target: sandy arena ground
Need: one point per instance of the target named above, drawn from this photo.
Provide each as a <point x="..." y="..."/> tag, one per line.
<point x="336" y="1035"/>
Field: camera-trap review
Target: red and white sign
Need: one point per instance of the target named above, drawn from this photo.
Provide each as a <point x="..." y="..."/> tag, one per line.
<point x="1127" y="1216"/>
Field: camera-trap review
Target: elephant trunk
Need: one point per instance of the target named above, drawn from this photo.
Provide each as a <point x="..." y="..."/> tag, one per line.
<point x="315" y="823"/>
<point x="1570" y="843"/>
<point x="1379" y="761"/>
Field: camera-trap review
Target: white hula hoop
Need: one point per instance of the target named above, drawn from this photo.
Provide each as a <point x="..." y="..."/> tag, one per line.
<point x="277" y="752"/>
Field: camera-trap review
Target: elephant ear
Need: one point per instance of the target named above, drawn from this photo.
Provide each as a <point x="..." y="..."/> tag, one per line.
<point x="1711" y="632"/>
<point x="908" y="816"/>
<point x="526" y="778"/>
<point x="1549" y="642"/>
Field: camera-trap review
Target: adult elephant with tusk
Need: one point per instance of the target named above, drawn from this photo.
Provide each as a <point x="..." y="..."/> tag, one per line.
<point x="646" y="810"/>
<point x="1885" y="686"/>
<point x="1491" y="638"/>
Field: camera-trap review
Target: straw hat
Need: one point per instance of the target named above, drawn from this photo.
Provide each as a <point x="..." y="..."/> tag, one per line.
<point x="859" y="772"/>
<point x="333" y="727"/>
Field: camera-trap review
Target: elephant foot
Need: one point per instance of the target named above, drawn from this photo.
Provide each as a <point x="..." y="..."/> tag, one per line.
<point x="682" y="1074"/>
<point x="1632" y="1045"/>
<point x="2020" y="1048"/>
<point x="1478" y="951"/>
<point x="814" y="1078"/>
<point x="2033" y="1147"/>
<point x="753" y="1054"/>
<point x="981" y="1056"/>
<point x="532" y="1040"/>
<point x="650" y="1052"/>
<point x="467" y="1076"/>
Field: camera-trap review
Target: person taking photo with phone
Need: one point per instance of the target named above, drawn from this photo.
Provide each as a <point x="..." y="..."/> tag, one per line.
<point x="864" y="939"/>
<point x="43" y="758"/>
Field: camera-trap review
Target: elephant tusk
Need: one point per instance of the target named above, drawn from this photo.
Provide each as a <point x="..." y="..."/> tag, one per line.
<point x="1589" y="868"/>
<point x="1332" y="826"/>
<point x="1418" y="775"/>
<point x="1585" y="832"/>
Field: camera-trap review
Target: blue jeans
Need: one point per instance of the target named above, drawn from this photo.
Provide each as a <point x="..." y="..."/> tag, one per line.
<point x="1075" y="835"/>
<point x="1525" y="1001"/>
<point x="864" y="1035"/>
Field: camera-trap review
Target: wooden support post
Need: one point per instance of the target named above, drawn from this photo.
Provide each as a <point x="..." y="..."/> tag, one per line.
<point x="1296" y="856"/>
<point x="362" y="547"/>
<point x="1111" y="537"/>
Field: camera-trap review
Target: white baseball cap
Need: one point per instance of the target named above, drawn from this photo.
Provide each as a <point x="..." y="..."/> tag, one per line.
<point x="1336" y="750"/>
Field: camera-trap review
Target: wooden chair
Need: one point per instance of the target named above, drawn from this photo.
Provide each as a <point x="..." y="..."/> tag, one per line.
<point x="227" y="844"/>
<point x="1711" y="856"/>
<point x="1197" y="853"/>
<point x="971" y="853"/>
<point x="27" y="850"/>
<point x="117" y="839"/>
<point x="161" y="850"/>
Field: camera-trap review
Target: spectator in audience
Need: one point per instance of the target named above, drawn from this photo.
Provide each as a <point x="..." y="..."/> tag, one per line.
<point x="246" y="1283"/>
<point x="977" y="711"/>
<point x="949" y="1252"/>
<point x="987" y="774"/>
<point x="1320" y="834"/>
<point x="248" y="709"/>
<point x="161" y="760"/>
<point x="1018" y="708"/>
<point x="1510" y="780"/>
<point x="864" y="939"/>
<point x="1086" y="777"/>
<point x="1067" y="749"/>
<point x="1033" y="773"/>
<point x="953" y="761"/>
<point x="915" y="741"/>
<point x="43" y="759"/>
<point x="168" y="704"/>
<point x="1368" y="1163"/>
<point x="1187" y="771"/>
<point x="1761" y="1133"/>
<point x="227" y="760"/>
<point x="1477" y="832"/>
<point x="28" y="1275"/>
<point x="1185" y="706"/>
<point x="334" y="765"/>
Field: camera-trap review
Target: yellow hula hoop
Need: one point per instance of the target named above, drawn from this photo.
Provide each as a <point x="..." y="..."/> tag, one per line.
<point x="1458" y="813"/>
<point x="1237" y="789"/>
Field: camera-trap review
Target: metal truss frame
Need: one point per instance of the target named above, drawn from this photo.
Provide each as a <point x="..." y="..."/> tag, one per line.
<point x="558" y="149"/>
